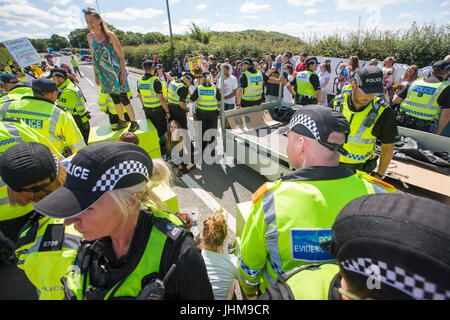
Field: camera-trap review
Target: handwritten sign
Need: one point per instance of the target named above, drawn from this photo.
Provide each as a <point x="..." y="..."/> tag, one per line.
<point x="23" y="52"/>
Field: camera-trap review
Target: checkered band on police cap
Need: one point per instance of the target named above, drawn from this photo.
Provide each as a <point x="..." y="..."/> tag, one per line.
<point x="305" y="121"/>
<point x="358" y="80"/>
<point x="109" y="179"/>
<point x="411" y="284"/>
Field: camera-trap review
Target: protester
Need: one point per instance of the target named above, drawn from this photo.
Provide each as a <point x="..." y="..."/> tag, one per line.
<point x="374" y="63"/>
<point x="32" y="172"/>
<point x="410" y="75"/>
<point x="109" y="67"/>
<point x="353" y="65"/>
<point x="107" y="106"/>
<point x="324" y="78"/>
<point x="122" y="224"/>
<point x="301" y="66"/>
<point x="237" y="70"/>
<point x="386" y="249"/>
<point x="342" y="77"/>
<point x="221" y="266"/>
<point x="287" y="213"/>
<point x="287" y="95"/>
<point x="129" y="137"/>
<point x="72" y="76"/>
<point x="229" y="87"/>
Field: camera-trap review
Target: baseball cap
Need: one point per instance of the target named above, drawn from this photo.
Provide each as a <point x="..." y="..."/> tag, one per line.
<point x="9" y="78"/>
<point x="369" y="79"/>
<point x="441" y="66"/>
<point x="317" y="122"/>
<point x="311" y="60"/>
<point x="58" y="72"/>
<point x="43" y="85"/>
<point x="159" y="66"/>
<point x="388" y="237"/>
<point x="26" y="163"/>
<point x="148" y="64"/>
<point x="93" y="171"/>
<point x="205" y="74"/>
<point x="189" y="76"/>
<point x="247" y="61"/>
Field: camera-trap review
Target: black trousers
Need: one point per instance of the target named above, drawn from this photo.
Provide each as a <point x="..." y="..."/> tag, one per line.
<point x="407" y="121"/>
<point x="84" y="128"/>
<point x="209" y="121"/>
<point x="304" y="101"/>
<point x="178" y="114"/>
<point x="158" y="117"/>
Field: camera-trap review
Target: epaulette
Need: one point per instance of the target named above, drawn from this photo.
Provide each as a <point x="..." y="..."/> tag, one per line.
<point x="10" y="119"/>
<point x="172" y="230"/>
<point x="61" y="107"/>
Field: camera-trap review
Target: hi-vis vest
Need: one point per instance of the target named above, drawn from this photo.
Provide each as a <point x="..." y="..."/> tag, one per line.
<point x="74" y="63"/>
<point x="288" y="221"/>
<point x="46" y="250"/>
<point x="207" y="98"/>
<point x="52" y="121"/>
<point x="14" y="131"/>
<point x="421" y="101"/>
<point x="361" y="142"/>
<point x="147" y="89"/>
<point x="16" y="94"/>
<point x="304" y="86"/>
<point x="254" y="89"/>
<point x="131" y="286"/>
<point x="106" y="104"/>
<point x="172" y="91"/>
<point x="310" y="282"/>
<point x="19" y="71"/>
<point x="73" y="100"/>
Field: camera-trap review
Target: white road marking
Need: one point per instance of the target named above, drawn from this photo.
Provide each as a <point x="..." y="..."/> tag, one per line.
<point x="208" y="200"/>
<point x="90" y="82"/>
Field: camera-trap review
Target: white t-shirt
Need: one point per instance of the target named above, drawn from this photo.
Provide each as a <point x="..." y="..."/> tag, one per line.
<point x="287" y="95"/>
<point x="222" y="270"/>
<point x="230" y="84"/>
<point x="323" y="76"/>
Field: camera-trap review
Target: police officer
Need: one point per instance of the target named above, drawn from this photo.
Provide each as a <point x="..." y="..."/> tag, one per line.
<point x="18" y="71"/>
<point x="250" y="90"/>
<point x="177" y="94"/>
<point x="292" y="216"/>
<point x="72" y="99"/>
<point x="386" y="248"/>
<point x="127" y="251"/>
<point x="150" y="92"/>
<point x="13" y="88"/>
<point x="370" y="119"/>
<point x="75" y="67"/>
<point x="424" y="100"/>
<point x="2" y="69"/>
<point x="107" y="106"/>
<point x="306" y="85"/>
<point x="49" y="119"/>
<point x="208" y="98"/>
<point x="12" y="132"/>
<point x="45" y="249"/>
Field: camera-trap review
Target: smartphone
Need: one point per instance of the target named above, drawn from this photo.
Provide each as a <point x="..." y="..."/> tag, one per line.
<point x="278" y="66"/>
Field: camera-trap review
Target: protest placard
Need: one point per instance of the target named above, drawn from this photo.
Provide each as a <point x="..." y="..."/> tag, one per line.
<point x="23" y="52"/>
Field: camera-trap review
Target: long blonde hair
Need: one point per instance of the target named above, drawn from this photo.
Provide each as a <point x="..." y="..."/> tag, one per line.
<point x="161" y="174"/>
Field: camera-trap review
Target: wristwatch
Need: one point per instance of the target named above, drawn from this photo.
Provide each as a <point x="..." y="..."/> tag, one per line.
<point x="380" y="176"/>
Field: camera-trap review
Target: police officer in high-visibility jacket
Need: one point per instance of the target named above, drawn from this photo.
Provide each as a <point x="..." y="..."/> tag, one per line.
<point x="150" y="92"/>
<point x="370" y="119"/>
<point x="72" y="99"/>
<point x="49" y="119"/>
<point x="426" y="101"/>
<point x="45" y="248"/>
<point x="290" y="217"/>
<point x="177" y="94"/>
<point x="129" y="243"/>
<point x="306" y="85"/>
<point x="208" y="98"/>
<point x="251" y="85"/>
<point x="12" y="132"/>
<point x="107" y="106"/>
<point x="2" y="69"/>
<point x="13" y="88"/>
<point x="386" y="249"/>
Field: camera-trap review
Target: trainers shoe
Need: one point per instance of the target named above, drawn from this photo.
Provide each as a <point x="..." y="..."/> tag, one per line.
<point x="134" y="126"/>
<point x="120" y="125"/>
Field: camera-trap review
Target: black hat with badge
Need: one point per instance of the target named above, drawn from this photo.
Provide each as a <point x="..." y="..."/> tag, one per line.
<point x="369" y="79"/>
<point x="95" y="170"/>
<point x="58" y="72"/>
<point x="399" y="243"/>
<point x="148" y="64"/>
<point x="43" y="85"/>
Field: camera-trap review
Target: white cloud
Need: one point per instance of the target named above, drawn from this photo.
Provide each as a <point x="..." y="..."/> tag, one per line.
<point x="201" y="6"/>
<point x="443" y="14"/>
<point x="133" y="14"/>
<point x="222" y="14"/>
<point x="310" y="12"/>
<point x="250" y="17"/>
<point x="14" y="34"/>
<point x="231" y="27"/>
<point x="196" y="21"/>
<point x="409" y="15"/>
<point x="303" y="3"/>
<point x="368" y="6"/>
<point x="89" y="1"/>
<point x="445" y="4"/>
<point x="59" y="2"/>
<point x="252" y="7"/>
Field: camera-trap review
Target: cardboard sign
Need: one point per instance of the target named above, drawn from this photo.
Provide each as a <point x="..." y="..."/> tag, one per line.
<point x="23" y="52"/>
<point x="194" y="62"/>
<point x="251" y="121"/>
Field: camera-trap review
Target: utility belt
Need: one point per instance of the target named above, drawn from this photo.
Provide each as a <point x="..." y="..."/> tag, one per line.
<point x="367" y="166"/>
<point x="81" y="120"/>
<point x="408" y="121"/>
<point x="306" y="99"/>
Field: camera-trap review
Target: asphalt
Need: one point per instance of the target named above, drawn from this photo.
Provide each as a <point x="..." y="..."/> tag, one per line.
<point x="204" y="189"/>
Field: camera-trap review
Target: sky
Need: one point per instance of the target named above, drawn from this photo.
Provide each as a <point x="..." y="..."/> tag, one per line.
<point x="300" y="18"/>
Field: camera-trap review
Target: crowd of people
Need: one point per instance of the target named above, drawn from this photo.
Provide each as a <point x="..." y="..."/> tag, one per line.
<point x="93" y="212"/>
